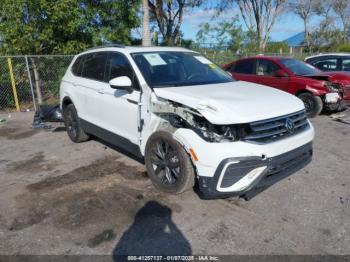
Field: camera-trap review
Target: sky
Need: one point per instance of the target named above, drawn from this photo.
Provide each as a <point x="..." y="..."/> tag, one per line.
<point x="287" y="26"/>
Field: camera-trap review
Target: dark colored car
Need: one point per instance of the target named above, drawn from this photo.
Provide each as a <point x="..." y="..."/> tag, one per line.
<point x="317" y="89"/>
<point x="330" y="62"/>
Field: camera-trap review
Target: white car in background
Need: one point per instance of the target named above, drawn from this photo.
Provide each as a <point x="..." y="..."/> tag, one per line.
<point x="186" y="117"/>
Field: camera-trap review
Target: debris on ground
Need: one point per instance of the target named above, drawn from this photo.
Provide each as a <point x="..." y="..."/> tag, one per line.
<point x="341" y="117"/>
<point x="46" y="113"/>
<point x="2" y="120"/>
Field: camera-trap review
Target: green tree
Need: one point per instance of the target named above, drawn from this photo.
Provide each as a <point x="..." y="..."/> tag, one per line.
<point x="226" y="34"/>
<point x="64" y="26"/>
<point x="259" y="16"/>
<point x="342" y="10"/>
<point x="168" y="15"/>
<point x="277" y="47"/>
<point x="344" y="48"/>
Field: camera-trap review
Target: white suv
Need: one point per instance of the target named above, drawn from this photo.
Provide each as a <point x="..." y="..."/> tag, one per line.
<point x="186" y="117"/>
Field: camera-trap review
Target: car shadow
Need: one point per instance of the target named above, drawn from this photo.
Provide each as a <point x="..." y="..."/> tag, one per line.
<point x="152" y="233"/>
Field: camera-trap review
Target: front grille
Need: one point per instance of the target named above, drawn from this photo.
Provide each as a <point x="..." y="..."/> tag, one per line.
<point x="270" y="130"/>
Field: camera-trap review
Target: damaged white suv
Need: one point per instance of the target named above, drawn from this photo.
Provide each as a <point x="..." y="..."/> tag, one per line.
<point x="186" y="117"/>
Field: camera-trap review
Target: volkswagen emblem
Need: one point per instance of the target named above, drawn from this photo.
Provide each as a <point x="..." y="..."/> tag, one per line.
<point x="289" y="125"/>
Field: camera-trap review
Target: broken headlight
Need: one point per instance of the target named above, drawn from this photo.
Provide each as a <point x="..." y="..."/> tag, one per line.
<point x="332" y="87"/>
<point x="180" y="116"/>
<point x="220" y="133"/>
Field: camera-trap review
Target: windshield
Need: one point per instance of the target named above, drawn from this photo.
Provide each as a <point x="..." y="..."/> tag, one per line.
<point x="299" y="67"/>
<point x="165" y="69"/>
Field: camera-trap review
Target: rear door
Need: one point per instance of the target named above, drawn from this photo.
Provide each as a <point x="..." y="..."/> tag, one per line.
<point x="77" y="93"/>
<point x="244" y="70"/>
<point x="93" y="81"/>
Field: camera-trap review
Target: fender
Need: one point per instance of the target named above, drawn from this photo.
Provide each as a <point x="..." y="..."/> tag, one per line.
<point x="316" y="92"/>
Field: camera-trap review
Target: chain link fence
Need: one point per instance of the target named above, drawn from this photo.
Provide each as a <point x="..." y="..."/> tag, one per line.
<point x="27" y="81"/>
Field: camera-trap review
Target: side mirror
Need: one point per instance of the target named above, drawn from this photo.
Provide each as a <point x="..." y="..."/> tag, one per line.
<point x="281" y="73"/>
<point x="122" y="83"/>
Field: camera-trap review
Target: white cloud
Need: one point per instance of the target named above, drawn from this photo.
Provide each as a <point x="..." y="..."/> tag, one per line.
<point x="199" y="16"/>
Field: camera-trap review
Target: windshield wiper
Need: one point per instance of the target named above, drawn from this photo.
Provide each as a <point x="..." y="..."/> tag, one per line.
<point x="167" y="85"/>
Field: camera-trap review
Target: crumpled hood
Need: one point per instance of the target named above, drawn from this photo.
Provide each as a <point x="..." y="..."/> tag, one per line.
<point x="330" y="76"/>
<point x="233" y="102"/>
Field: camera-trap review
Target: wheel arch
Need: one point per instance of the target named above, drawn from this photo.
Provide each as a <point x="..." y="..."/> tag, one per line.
<point x="168" y="133"/>
<point x="178" y="138"/>
<point x="302" y="91"/>
<point x="66" y="101"/>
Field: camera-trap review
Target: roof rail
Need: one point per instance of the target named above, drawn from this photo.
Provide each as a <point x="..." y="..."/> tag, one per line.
<point x="108" y="45"/>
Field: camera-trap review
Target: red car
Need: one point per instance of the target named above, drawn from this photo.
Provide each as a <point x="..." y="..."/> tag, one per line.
<point x="315" y="88"/>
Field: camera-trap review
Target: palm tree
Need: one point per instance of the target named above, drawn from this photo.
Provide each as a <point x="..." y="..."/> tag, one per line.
<point x="146" y="38"/>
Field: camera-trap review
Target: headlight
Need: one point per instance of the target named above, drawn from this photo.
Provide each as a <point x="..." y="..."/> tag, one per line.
<point x="221" y="133"/>
<point x="183" y="117"/>
<point x="331" y="87"/>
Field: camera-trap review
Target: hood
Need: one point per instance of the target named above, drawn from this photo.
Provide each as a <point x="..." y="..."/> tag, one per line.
<point x="330" y="76"/>
<point x="233" y="102"/>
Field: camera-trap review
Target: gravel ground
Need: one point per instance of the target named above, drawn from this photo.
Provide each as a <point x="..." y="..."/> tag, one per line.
<point x="63" y="198"/>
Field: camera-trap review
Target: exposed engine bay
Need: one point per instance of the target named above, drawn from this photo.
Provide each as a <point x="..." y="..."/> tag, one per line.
<point x="180" y="116"/>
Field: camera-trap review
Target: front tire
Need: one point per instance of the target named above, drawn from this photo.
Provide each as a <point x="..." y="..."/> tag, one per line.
<point x="168" y="164"/>
<point x="313" y="104"/>
<point x="73" y="126"/>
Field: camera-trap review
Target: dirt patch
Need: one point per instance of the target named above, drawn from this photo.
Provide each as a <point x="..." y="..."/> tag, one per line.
<point x="105" y="236"/>
<point x="219" y="234"/>
<point x="36" y="163"/>
<point x="86" y="196"/>
<point x="12" y="133"/>
<point x="76" y="207"/>
<point x="2" y="222"/>
<point x="109" y="166"/>
<point x="235" y="201"/>
<point x="29" y="219"/>
<point x="325" y="231"/>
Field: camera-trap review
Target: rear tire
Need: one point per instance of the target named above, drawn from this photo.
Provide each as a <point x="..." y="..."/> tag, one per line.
<point x="313" y="104"/>
<point x="168" y="164"/>
<point x="73" y="126"/>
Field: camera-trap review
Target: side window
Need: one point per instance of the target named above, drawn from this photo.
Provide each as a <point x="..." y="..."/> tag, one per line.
<point x="118" y="65"/>
<point x="94" y="66"/>
<point x="77" y="66"/>
<point x="327" y="64"/>
<point x="266" y="68"/>
<point x="346" y="64"/>
<point x="245" y="67"/>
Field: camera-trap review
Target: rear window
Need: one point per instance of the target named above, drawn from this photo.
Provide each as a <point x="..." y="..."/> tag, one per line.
<point x="76" y="68"/>
<point x="346" y="64"/>
<point x="326" y="64"/>
<point x="94" y="66"/>
<point x="245" y="67"/>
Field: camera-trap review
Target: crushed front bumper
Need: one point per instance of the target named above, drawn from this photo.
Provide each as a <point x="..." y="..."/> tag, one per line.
<point x="334" y="102"/>
<point x="237" y="176"/>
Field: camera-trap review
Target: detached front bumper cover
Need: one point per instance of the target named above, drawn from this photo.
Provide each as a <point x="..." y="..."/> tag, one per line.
<point x="263" y="172"/>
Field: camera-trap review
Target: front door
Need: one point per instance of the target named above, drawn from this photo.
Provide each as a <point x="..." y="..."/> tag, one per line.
<point x="266" y="73"/>
<point x="119" y="110"/>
